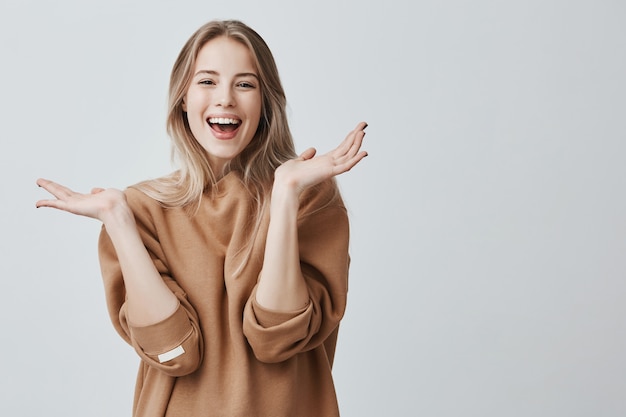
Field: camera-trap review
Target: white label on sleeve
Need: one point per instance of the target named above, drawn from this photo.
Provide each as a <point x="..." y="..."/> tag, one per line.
<point x="174" y="353"/>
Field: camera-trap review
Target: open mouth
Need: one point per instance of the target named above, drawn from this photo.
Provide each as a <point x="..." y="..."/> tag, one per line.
<point x="223" y="124"/>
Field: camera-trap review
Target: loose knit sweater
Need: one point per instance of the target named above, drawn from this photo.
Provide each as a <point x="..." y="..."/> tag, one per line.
<point x="221" y="353"/>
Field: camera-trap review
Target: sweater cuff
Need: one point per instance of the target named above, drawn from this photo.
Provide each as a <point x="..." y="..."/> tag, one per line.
<point x="164" y="335"/>
<point x="269" y="318"/>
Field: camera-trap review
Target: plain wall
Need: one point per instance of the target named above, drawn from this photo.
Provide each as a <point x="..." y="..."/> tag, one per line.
<point x="488" y="223"/>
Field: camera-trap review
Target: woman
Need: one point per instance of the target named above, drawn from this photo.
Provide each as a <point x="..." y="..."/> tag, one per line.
<point x="229" y="276"/>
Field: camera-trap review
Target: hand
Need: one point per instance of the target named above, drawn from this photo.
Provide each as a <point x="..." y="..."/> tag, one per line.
<point x="99" y="204"/>
<point x="308" y="170"/>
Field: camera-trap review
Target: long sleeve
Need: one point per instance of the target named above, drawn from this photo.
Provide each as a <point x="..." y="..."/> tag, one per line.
<point x="173" y="345"/>
<point x="323" y="235"/>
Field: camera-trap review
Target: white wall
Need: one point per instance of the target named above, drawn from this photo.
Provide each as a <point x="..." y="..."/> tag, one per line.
<point x="489" y="228"/>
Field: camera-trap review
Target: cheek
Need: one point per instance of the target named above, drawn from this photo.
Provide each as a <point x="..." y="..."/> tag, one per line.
<point x="195" y="113"/>
<point x="193" y="101"/>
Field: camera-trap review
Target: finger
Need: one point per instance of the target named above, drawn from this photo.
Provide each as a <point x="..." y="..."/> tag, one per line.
<point x="57" y="204"/>
<point x="361" y="126"/>
<point x="53" y="188"/>
<point x="348" y="143"/>
<point x="344" y="146"/>
<point x="353" y="155"/>
<point x="308" y="154"/>
<point x="350" y="163"/>
<point x="96" y="190"/>
<point x="350" y="147"/>
<point x="356" y="144"/>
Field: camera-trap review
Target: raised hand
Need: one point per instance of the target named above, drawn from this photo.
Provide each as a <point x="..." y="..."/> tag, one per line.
<point x="308" y="170"/>
<point x="98" y="204"/>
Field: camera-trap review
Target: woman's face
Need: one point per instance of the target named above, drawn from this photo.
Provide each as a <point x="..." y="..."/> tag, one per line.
<point x="223" y="102"/>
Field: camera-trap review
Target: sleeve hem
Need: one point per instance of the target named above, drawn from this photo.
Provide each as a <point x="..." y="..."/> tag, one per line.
<point x="164" y="335"/>
<point x="269" y="318"/>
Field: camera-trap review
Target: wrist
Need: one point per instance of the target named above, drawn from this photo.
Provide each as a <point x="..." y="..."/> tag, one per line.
<point x="117" y="215"/>
<point x="284" y="199"/>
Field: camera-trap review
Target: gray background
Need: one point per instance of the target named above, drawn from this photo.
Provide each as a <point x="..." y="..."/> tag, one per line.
<point x="488" y="221"/>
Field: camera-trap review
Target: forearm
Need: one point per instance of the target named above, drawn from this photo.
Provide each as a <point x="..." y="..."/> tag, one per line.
<point x="281" y="284"/>
<point x="149" y="300"/>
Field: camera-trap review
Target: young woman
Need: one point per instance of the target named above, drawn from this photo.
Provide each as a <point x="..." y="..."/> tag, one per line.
<point x="229" y="276"/>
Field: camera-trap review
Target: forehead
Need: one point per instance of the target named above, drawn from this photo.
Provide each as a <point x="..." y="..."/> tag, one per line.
<point x="224" y="54"/>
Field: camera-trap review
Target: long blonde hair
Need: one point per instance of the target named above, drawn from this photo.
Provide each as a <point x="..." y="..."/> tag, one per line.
<point x="271" y="146"/>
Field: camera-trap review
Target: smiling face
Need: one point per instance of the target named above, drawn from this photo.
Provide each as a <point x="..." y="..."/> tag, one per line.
<point x="223" y="101"/>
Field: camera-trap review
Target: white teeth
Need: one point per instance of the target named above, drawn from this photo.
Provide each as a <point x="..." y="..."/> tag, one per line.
<point x="223" y="121"/>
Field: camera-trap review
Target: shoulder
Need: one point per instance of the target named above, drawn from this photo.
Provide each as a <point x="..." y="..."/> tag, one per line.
<point x="325" y="195"/>
<point x="138" y="200"/>
<point x="145" y="198"/>
<point x="149" y="193"/>
<point x="323" y="216"/>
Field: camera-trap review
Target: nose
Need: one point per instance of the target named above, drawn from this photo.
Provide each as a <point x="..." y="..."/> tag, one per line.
<point x="225" y="97"/>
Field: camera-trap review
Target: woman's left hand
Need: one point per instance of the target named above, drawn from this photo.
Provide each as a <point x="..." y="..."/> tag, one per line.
<point x="308" y="170"/>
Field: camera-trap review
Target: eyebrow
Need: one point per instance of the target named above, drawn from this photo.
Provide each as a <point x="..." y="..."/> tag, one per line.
<point x="241" y="74"/>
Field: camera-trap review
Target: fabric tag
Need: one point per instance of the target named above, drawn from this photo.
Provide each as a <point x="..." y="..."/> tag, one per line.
<point x="174" y="353"/>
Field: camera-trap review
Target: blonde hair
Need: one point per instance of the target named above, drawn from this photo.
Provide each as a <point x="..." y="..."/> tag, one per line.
<point x="271" y="146"/>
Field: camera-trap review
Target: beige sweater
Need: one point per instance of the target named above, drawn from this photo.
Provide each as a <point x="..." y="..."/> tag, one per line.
<point x="220" y="353"/>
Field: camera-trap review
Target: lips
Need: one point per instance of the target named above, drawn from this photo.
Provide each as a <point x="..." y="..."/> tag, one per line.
<point x="224" y="127"/>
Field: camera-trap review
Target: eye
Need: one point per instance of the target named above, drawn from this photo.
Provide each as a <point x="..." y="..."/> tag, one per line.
<point x="245" y="84"/>
<point x="206" y="82"/>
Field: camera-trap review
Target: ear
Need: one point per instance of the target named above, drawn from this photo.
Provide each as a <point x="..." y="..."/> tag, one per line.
<point x="184" y="104"/>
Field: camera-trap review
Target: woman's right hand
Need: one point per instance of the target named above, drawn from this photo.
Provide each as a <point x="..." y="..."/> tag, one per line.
<point x="99" y="204"/>
<point x="149" y="300"/>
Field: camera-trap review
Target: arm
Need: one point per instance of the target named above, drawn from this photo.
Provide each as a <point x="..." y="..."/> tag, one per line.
<point x="149" y="299"/>
<point x="147" y="307"/>
<point x="281" y="284"/>
<point x="301" y="294"/>
<point x="323" y="238"/>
